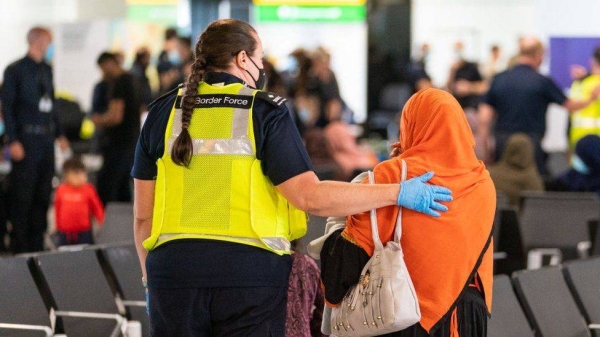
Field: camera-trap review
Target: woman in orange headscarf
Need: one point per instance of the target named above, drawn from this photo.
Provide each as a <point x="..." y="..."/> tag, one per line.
<point x="450" y="257"/>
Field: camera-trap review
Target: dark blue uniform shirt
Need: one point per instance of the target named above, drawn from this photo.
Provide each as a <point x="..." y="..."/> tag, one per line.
<point x="208" y="263"/>
<point x="521" y="97"/>
<point x="26" y="82"/>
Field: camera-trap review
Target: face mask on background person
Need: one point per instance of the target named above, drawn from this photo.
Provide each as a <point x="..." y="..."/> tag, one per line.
<point x="174" y="57"/>
<point x="2" y="127"/>
<point x="261" y="81"/>
<point x="579" y="166"/>
<point x="304" y="115"/>
<point x="49" y="55"/>
<point x="292" y="64"/>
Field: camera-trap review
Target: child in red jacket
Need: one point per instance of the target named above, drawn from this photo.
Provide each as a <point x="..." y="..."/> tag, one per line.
<point x="74" y="204"/>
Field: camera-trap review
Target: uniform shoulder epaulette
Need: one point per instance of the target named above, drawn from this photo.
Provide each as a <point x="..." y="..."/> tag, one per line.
<point x="165" y="95"/>
<point x="271" y="98"/>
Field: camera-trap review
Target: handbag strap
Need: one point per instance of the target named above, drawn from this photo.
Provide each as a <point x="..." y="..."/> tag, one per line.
<point x="398" y="231"/>
<point x="374" y="227"/>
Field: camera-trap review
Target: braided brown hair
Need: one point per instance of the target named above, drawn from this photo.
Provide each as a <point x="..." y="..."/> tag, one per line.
<point x="220" y="42"/>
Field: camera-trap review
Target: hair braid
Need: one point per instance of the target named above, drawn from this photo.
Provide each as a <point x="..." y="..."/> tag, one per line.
<point x="181" y="153"/>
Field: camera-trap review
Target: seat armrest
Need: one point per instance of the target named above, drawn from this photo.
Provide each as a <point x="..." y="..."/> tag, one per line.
<point x="134" y="303"/>
<point x="45" y="329"/>
<point x="594" y="326"/>
<point x="121" y="321"/>
<point x="535" y="257"/>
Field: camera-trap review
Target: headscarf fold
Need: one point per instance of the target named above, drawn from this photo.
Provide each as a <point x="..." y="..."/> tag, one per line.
<point x="442" y="254"/>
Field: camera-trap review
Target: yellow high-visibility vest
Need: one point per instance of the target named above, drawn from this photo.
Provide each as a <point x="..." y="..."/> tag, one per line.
<point x="224" y="194"/>
<point x="587" y="120"/>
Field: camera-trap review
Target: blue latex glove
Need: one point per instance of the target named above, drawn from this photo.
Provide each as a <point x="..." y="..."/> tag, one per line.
<point x="415" y="194"/>
<point x="147" y="302"/>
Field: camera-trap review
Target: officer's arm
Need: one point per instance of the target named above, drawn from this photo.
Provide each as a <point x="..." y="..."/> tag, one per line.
<point x="335" y="198"/>
<point x="9" y="98"/>
<point x="143" y="207"/>
<point x="574" y="105"/>
<point x="114" y="114"/>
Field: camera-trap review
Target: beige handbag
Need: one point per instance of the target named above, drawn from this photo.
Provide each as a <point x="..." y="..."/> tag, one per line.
<point x="384" y="300"/>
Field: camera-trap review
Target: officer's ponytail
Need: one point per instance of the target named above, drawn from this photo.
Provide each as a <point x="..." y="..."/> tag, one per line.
<point x="217" y="46"/>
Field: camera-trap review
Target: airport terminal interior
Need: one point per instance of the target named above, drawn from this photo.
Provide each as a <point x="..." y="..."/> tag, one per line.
<point x="130" y="207"/>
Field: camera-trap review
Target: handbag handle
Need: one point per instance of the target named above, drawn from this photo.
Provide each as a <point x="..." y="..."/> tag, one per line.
<point x="398" y="231"/>
<point x="374" y="225"/>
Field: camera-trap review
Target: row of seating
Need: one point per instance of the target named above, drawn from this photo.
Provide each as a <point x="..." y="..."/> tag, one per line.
<point x="561" y="225"/>
<point x="557" y="301"/>
<point x="91" y="292"/>
<point x="118" y="224"/>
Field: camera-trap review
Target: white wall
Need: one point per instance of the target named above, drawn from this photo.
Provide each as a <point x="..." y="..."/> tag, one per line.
<point x="568" y="18"/>
<point x="77" y="47"/>
<point x="478" y="23"/>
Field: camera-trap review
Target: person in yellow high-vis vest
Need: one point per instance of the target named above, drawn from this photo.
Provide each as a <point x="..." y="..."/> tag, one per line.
<point x="587" y="120"/>
<point x="222" y="184"/>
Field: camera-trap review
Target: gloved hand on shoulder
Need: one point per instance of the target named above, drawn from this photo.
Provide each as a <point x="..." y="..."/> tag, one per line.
<point x="415" y="194"/>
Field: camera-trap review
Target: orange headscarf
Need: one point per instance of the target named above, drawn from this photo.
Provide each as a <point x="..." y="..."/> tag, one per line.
<point x="442" y="254"/>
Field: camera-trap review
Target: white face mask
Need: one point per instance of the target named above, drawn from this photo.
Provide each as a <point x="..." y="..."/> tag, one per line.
<point x="304" y="115"/>
<point x="579" y="166"/>
<point x="174" y="57"/>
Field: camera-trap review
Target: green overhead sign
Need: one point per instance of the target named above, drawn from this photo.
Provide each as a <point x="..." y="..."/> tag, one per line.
<point x="163" y="14"/>
<point x="293" y="13"/>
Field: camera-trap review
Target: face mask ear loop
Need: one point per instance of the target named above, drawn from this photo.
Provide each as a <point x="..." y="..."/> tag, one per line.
<point x="252" y="77"/>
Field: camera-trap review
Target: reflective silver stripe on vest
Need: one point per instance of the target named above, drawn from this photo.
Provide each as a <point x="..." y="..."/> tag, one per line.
<point x="238" y="144"/>
<point x="239" y="125"/>
<point x="241" y="147"/>
<point x="278" y="244"/>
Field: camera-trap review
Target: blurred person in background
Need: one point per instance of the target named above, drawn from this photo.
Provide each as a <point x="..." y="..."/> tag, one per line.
<point x="416" y="71"/>
<point x="516" y="171"/>
<point x="169" y="62"/>
<point x="32" y="126"/>
<point x="3" y="184"/>
<point x="275" y="82"/>
<point x="345" y="150"/>
<point x="517" y="103"/>
<point x="185" y="49"/>
<point x="169" y="77"/>
<point x="495" y="63"/>
<point x="306" y="101"/>
<point x="187" y="59"/>
<point x="302" y="90"/>
<point x="585" y="121"/>
<point x="75" y="203"/>
<point x="584" y="175"/>
<point x="170" y="51"/>
<point x="297" y="74"/>
<point x="138" y="71"/>
<point x="465" y="82"/>
<point x="305" y="298"/>
<point x="120" y="127"/>
<point x="327" y="87"/>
